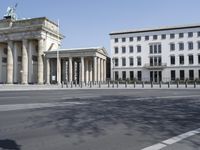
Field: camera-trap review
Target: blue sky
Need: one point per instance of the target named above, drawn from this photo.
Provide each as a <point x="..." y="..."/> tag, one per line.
<point x="87" y="23"/>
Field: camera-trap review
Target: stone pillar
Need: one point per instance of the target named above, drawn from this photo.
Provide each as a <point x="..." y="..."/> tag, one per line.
<point x="48" y="71"/>
<point x="104" y="67"/>
<point x="82" y="70"/>
<point x="70" y="69"/>
<point x="90" y="70"/>
<point x="40" y="61"/>
<point x="86" y="71"/>
<point x="99" y="69"/>
<point x="15" y="62"/>
<point x="24" y="73"/>
<point x="102" y="70"/>
<point x="95" y="69"/>
<point x="10" y="63"/>
<point x="30" y="62"/>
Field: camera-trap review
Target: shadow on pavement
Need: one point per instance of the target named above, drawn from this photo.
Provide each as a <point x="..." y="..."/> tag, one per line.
<point x="158" y="118"/>
<point x="9" y="144"/>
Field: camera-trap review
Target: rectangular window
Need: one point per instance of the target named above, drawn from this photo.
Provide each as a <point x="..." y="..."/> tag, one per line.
<point x="123" y="75"/>
<point x="199" y="59"/>
<point x="155" y="49"/>
<point x="116" y="40"/>
<point x="131" y="75"/>
<point x="139" y="75"/>
<point x="131" y="39"/>
<point x="151" y="49"/>
<point x="172" y="46"/>
<point x="159" y="49"/>
<point x="139" y="38"/>
<point x="181" y="46"/>
<point x="191" y="74"/>
<point x="131" y="61"/>
<point x="4" y="60"/>
<point x="123" y="61"/>
<point x="191" y="59"/>
<point x="19" y="58"/>
<point x="172" y="60"/>
<point x="190" y="45"/>
<point x="139" y="61"/>
<point x="198" y="44"/>
<point x="190" y="34"/>
<point x="123" y="49"/>
<point x="34" y="58"/>
<point x="182" y="75"/>
<point x="116" y="50"/>
<point x="130" y="49"/>
<point x="116" y="75"/>
<point x="116" y="62"/>
<point x="146" y="38"/>
<point x="139" y="49"/>
<point x="155" y="37"/>
<point x="124" y="39"/>
<point x="172" y="36"/>
<point x="173" y="75"/>
<point x="181" y="60"/>
<point x="181" y="35"/>
<point x="163" y="36"/>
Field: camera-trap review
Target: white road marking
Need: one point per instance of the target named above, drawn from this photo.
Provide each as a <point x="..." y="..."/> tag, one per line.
<point x="172" y="140"/>
<point x="11" y="107"/>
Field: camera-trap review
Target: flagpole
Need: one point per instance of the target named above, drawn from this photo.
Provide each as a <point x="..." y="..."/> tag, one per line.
<point x="58" y="68"/>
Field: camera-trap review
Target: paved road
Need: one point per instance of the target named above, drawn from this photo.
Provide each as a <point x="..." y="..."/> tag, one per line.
<point x="99" y="119"/>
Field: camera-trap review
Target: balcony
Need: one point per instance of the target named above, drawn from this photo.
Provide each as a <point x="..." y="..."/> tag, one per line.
<point x="155" y="66"/>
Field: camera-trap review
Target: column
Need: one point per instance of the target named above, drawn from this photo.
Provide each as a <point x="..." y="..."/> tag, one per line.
<point x="90" y="70"/>
<point x="104" y="67"/>
<point x="24" y="73"/>
<point x="95" y="69"/>
<point x="86" y="71"/>
<point x="15" y="62"/>
<point x="40" y="61"/>
<point x="99" y="69"/>
<point x="10" y="63"/>
<point x="82" y="70"/>
<point x="101" y="60"/>
<point x="70" y="69"/>
<point x="48" y="71"/>
<point x="58" y="74"/>
<point x="30" y="62"/>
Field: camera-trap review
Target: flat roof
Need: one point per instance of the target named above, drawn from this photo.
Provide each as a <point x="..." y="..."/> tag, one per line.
<point x="155" y="29"/>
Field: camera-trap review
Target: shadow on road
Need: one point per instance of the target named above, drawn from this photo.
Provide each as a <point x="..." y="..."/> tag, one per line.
<point x="157" y="117"/>
<point x="9" y="144"/>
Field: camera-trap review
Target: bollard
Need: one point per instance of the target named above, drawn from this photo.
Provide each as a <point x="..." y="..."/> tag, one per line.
<point x="151" y="84"/>
<point x="67" y="84"/>
<point x="90" y="84"/>
<point x="195" y="84"/>
<point x="113" y="84"/>
<point x="108" y="84"/>
<point x="85" y="83"/>
<point x="160" y="84"/>
<point x="142" y="84"/>
<point x="168" y="84"/>
<point x="117" y="84"/>
<point x="62" y="84"/>
<point x="177" y="84"/>
<point x="99" y="84"/>
<point x="81" y="83"/>
<point x="125" y="84"/>
<point x="75" y="83"/>
<point x="71" y="84"/>
<point x="186" y="84"/>
<point x="134" y="84"/>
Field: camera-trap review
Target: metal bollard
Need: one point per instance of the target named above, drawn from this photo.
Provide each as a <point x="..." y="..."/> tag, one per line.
<point x="160" y="84"/>
<point x="75" y="83"/>
<point x="117" y="84"/>
<point x="151" y="84"/>
<point x="62" y="84"/>
<point x="81" y="83"/>
<point x="99" y="84"/>
<point x="134" y="84"/>
<point x="168" y="84"/>
<point x="113" y="84"/>
<point x="195" y="84"/>
<point x="90" y="84"/>
<point x="125" y="84"/>
<point x="177" y="84"/>
<point x="67" y="84"/>
<point x="142" y="84"/>
<point x="71" y="84"/>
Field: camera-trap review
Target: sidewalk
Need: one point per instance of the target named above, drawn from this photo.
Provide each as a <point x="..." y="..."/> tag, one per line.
<point x="16" y="87"/>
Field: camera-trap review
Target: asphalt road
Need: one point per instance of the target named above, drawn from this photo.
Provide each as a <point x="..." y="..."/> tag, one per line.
<point x="120" y="119"/>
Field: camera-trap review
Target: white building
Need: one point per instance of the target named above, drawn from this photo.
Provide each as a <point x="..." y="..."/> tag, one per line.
<point x="157" y="54"/>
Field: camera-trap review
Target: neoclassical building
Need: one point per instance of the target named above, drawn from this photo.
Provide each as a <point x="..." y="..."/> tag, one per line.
<point x="30" y="53"/>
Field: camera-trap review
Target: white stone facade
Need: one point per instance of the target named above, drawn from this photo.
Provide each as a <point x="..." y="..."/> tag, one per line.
<point x="159" y="65"/>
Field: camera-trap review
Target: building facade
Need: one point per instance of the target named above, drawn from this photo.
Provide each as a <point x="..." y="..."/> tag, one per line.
<point x="157" y="54"/>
